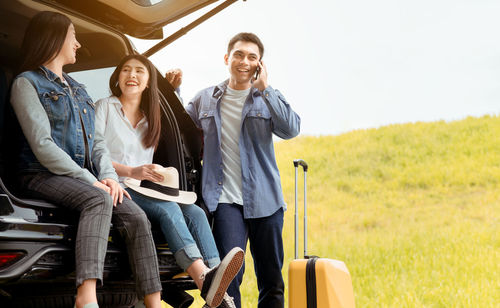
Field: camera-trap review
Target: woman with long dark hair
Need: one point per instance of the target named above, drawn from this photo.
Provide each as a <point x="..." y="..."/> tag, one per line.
<point x="62" y="160"/>
<point x="129" y="122"/>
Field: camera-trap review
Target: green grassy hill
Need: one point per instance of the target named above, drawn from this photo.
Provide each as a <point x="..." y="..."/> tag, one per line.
<point x="413" y="210"/>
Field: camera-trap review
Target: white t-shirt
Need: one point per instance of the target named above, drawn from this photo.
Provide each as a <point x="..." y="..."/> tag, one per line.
<point x="123" y="141"/>
<point x="230" y="111"/>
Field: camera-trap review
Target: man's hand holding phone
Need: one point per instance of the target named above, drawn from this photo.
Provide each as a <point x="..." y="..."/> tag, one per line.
<point x="260" y="77"/>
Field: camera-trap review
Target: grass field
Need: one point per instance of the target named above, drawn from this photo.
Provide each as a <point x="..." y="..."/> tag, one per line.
<point x="413" y="210"/>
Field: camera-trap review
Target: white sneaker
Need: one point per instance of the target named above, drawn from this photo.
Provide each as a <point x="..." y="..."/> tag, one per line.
<point x="217" y="279"/>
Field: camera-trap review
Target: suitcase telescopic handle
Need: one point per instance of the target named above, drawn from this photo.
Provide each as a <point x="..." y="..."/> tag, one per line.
<point x="300" y="162"/>
<point x="296" y="164"/>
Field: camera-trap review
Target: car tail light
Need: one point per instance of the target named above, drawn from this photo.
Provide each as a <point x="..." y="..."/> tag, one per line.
<point x="8" y="258"/>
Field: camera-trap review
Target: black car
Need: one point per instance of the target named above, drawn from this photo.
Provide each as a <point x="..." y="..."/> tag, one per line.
<point x="37" y="238"/>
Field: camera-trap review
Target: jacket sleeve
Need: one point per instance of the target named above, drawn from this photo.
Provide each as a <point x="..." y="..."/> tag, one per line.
<point x="286" y="123"/>
<point x="36" y="128"/>
<point x="100" y="153"/>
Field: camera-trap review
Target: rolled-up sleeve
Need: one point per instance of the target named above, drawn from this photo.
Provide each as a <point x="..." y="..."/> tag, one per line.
<point x="35" y="125"/>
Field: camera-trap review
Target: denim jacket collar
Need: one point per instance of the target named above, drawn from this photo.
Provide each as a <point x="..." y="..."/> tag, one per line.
<point x="220" y="89"/>
<point x="51" y="76"/>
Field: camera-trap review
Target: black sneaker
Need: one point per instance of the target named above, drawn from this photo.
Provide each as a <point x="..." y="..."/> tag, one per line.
<point x="217" y="279"/>
<point x="227" y="302"/>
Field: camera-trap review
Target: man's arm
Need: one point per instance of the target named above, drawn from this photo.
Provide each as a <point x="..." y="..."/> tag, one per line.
<point x="174" y="76"/>
<point x="286" y="123"/>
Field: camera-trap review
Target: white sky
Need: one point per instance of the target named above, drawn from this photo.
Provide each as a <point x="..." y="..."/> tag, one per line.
<point x="353" y="64"/>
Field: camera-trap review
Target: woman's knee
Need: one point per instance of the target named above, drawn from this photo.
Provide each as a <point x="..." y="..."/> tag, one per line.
<point x="137" y="216"/>
<point x="194" y="213"/>
<point x="98" y="200"/>
<point x="170" y="214"/>
<point x="133" y="223"/>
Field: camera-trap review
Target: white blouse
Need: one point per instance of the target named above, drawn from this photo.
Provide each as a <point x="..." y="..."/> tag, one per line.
<point x="123" y="141"/>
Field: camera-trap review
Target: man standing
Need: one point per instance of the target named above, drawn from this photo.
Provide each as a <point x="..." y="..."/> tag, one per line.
<point x="241" y="182"/>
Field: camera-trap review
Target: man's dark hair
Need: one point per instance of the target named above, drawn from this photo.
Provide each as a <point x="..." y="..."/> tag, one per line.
<point x="246" y="37"/>
<point x="43" y="39"/>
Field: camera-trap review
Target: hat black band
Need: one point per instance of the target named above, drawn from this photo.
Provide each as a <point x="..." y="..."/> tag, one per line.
<point x="159" y="188"/>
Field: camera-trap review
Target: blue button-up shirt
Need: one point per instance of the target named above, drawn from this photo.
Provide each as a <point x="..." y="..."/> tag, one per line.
<point x="264" y="114"/>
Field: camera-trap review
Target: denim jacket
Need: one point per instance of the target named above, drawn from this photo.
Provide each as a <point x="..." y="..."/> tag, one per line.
<point x="60" y="148"/>
<point x="264" y="114"/>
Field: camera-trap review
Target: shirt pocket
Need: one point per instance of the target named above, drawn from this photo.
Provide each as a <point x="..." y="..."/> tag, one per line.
<point x="263" y="114"/>
<point x="86" y="103"/>
<point x="207" y="122"/>
<point x="258" y="124"/>
<point x="83" y="96"/>
<point x="88" y="111"/>
<point x="56" y="106"/>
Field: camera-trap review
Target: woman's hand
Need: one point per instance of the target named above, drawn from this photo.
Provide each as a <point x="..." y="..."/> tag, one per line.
<point x="102" y="186"/>
<point x="146" y="172"/>
<point x="115" y="190"/>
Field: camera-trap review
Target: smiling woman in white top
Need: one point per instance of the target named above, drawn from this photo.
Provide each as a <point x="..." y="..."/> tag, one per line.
<point x="129" y="122"/>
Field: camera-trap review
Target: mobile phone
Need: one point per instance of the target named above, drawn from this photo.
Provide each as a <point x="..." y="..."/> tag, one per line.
<point x="257" y="72"/>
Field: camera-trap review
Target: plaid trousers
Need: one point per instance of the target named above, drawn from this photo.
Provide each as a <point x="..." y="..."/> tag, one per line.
<point x="96" y="214"/>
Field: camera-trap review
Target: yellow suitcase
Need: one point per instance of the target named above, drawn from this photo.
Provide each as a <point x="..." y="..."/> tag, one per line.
<point x="316" y="282"/>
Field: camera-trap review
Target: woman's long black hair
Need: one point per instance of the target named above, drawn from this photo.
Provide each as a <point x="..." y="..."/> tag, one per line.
<point x="43" y="39"/>
<point x="150" y="100"/>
